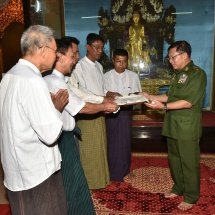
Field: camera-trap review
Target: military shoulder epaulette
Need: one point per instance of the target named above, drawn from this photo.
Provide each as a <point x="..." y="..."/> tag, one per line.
<point x="187" y="68"/>
<point x="195" y="68"/>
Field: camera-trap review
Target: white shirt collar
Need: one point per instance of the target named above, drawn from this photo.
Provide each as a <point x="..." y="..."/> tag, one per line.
<point x="119" y="74"/>
<point x="31" y="65"/>
<point x="58" y="74"/>
<point x="88" y="60"/>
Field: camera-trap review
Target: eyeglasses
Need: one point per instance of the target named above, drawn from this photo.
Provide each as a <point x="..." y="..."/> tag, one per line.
<point x="173" y="57"/>
<point x="55" y="51"/>
<point x="97" y="48"/>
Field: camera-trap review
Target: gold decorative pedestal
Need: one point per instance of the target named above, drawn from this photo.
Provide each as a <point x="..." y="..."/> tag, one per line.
<point x="151" y="86"/>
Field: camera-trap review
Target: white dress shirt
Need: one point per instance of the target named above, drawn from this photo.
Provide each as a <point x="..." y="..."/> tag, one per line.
<point x="81" y="93"/>
<point x="90" y="76"/>
<point x="55" y="82"/>
<point x="29" y="125"/>
<point x="123" y="83"/>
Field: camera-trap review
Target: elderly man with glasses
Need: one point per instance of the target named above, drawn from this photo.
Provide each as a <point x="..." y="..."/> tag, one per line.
<point x="29" y="128"/>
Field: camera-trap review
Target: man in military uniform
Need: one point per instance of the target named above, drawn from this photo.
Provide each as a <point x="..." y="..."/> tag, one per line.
<point x="183" y="123"/>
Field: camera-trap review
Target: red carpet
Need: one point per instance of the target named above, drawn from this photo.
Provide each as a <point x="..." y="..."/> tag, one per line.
<point x="155" y="118"/>
<point x="5" y="209"/>
<point x="143" y="194"/>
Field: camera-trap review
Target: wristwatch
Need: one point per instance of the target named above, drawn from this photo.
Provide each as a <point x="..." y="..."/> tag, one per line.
<point x="165" y="107"/>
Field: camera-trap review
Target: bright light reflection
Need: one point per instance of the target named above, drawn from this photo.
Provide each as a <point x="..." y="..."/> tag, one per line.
<point x="38" y="6"/>
<point x="181" y="13"/>
<point x="90" y="17"/>
<point x="141" y="65"/>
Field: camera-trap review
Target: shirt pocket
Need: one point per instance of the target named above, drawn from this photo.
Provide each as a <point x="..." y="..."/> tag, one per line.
<point x="127" y="90"/>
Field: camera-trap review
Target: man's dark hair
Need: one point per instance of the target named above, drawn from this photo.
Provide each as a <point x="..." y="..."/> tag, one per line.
<point x="62" y="46"/>
<point x="120" y="52"/>
<point x="70" y="40"/>
<point x="92" y="37"/>
<point x="181" y="46"/>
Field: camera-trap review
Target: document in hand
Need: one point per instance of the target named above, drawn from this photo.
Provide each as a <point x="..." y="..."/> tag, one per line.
<point x="129" y="100"/>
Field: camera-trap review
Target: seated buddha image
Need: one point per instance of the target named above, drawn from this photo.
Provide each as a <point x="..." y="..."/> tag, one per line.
<point x="137" y="46"/>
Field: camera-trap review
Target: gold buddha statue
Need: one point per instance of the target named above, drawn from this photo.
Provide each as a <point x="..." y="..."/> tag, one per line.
<point x="138" y="57"/>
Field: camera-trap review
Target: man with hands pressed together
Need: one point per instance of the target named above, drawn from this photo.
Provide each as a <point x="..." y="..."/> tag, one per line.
<point x="183" y="123"/>
<point x="77" y="192"/>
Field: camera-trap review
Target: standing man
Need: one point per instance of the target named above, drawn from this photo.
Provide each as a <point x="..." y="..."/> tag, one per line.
<point x="73" y="80"/>
<point x="77" y="192"/>
<point x="30" y="125"/>
<point x="93" y="145"/>
<point x="122" y="82"/>
<point x="183" y="123"/>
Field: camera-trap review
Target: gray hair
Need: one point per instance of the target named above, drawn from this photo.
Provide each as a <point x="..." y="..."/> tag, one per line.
<point x="34" y="38"/>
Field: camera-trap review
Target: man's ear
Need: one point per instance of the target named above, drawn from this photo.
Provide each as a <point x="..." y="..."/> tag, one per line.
<point x="87" y="47"/>
<point x="59" y="57"/>
<point x="42" y="51"/>
<point x="185" y="55"/>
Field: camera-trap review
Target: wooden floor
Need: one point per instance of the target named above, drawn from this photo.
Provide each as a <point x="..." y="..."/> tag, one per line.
<point x="146" y="138"/>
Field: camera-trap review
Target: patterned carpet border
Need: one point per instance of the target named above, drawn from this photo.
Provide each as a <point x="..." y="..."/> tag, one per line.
<point x="136" y="213"/>
<point x="163" y="155"/>
<point x="138" y="154"/>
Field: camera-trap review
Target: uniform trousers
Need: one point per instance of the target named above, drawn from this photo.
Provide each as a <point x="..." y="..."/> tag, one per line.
<point x="184" y="161"/>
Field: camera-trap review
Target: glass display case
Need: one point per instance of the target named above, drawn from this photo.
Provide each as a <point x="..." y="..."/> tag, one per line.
<point x="146" y="29"/>
<point x="49" y="13"/>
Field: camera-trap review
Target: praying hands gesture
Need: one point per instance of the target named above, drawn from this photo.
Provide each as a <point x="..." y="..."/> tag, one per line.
<point x="60" y="99"/>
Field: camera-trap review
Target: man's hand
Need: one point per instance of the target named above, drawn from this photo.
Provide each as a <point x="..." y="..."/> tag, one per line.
<point x="145" y="94"/>
<point x="60" y="99"/>
<point x="108" y="99"/>
<point x="110" y="107"/>
<point x="112" y="94"/>
<point x="155" y="104"/>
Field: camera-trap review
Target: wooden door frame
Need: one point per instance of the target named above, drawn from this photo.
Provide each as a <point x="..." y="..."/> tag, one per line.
<point x="212" y="93"/>
<point x="1" y="62"/>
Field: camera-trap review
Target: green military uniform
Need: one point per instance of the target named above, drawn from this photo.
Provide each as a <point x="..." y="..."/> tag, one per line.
<point x="183" y="129"/>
